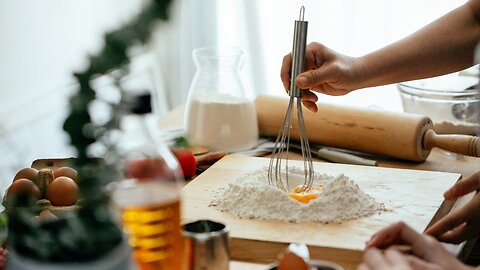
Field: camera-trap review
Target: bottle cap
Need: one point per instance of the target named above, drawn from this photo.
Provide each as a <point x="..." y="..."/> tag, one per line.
<point x="141" y="104"/>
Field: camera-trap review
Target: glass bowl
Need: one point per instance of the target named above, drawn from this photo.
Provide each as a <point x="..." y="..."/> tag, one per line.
<point x="452" y="102"/>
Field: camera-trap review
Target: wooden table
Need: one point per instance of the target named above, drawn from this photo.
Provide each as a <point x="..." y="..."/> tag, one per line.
<point x="438" y="160"/>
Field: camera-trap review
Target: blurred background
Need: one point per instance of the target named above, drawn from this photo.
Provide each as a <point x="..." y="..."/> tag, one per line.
<point x="43" y="42"/>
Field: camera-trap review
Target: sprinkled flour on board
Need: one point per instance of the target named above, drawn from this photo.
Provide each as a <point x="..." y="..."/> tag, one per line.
<point x="250" y="196"/>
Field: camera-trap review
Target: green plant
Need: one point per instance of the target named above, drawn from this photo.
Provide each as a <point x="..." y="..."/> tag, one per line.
<point x="90" y="231"/>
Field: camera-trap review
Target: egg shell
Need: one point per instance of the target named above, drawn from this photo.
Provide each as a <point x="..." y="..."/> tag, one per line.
<point x="62" y="191"/>
<point x="66" y="171"/>
<point x="22" y="187"/>
<point x="290" y="261"/>
<point x="26" y="173"/>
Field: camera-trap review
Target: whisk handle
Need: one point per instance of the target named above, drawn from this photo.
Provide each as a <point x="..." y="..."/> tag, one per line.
<point x="298" y="54"/>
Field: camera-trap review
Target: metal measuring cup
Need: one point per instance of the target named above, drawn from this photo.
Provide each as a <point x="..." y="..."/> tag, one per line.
<point x="206" y="245"/>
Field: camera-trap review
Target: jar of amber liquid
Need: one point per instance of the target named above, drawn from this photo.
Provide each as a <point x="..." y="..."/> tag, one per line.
<point x="147" y="199"/>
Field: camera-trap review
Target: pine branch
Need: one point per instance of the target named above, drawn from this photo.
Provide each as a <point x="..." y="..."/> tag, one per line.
<point x="89" y="232"/>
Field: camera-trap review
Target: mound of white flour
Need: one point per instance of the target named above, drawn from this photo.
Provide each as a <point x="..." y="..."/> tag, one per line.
<point x="250" y="196"/>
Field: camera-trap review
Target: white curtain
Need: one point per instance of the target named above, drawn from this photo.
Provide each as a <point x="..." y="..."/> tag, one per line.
<point x="265" y="29"/>
<point x="43" y="42"/>
<point x="196" y="24"/>
<point x="192" y="24"/>
<point x="350" y="27"/>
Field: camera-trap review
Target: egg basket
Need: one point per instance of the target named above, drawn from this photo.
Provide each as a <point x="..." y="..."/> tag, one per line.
<point x="44" y="166"/>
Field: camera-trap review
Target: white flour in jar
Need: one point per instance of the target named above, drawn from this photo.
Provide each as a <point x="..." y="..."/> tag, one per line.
<point x="250" y="196"/>
<point x="222" y="122"/>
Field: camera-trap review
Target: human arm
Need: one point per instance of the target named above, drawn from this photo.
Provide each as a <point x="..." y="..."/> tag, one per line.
<point x="426" y="252"/>
<point x="444" y="46"/>
<point x="464" y="223"/>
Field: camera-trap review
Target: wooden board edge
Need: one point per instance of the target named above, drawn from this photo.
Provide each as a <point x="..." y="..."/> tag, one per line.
<point x="267" y="252"/>
<point x="444" y="209"/>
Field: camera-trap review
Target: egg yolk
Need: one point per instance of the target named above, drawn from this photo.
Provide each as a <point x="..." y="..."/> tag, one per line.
<point x="300" y="195"/>
<point x="303" y="197"/>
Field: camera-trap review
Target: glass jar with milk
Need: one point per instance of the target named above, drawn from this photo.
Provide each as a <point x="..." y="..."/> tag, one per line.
<point x="220" y="112"/>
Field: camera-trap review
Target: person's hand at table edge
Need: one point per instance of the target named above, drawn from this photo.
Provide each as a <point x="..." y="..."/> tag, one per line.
<point x="464" y="223"/>
<point x="426" y="252"/>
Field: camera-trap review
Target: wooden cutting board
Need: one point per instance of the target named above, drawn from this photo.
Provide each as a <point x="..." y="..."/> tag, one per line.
<point x="415" y="197"/>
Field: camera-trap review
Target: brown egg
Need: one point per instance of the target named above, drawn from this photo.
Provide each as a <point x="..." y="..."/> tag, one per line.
<point x="65" y="171"/>
<point x="28" y="173"/>
<point x="62" y="191"/>
<point x="291" y="261"/>
<point x="22" y="187"/>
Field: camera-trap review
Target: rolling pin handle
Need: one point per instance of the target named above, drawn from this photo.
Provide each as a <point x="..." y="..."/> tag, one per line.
<point x="460" y="144"/>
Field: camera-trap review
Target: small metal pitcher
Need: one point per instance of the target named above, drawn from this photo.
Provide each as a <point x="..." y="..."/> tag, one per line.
<point x="206" y="245"/>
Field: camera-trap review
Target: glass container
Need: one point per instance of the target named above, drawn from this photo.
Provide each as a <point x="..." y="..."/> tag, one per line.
<point x="220" y="113"/>
<point x="451" y="101"/>
<point x="147" y="199"/>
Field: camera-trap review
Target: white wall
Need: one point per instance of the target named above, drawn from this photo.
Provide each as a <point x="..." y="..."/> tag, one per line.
<point x="41" y="44"/>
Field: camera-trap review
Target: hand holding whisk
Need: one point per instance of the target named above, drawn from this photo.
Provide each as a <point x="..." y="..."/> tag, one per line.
<point x="278" y="170"/>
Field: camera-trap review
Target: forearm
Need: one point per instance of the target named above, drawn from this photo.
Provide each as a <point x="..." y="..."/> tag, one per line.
<point x="446" y="45"/>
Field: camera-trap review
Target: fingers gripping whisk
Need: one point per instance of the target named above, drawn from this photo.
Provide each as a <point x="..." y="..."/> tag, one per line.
<point x="278" y="169"/>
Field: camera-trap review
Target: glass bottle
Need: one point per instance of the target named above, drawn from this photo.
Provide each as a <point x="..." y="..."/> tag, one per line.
<point x="220" y="112"/>
<point x="148" y="196"/>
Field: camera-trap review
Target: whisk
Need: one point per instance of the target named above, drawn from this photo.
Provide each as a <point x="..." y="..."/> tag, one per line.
<point x="278" y="169"/>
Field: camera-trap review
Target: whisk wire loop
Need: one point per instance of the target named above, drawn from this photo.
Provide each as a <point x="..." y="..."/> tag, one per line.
<point x="280" y="152"/>
<point x="306" y="153"/>
<point x="278" y="170"/>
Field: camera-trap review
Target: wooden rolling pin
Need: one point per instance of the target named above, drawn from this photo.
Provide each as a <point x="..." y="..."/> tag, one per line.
<point x="399" y="135"/>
